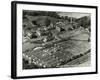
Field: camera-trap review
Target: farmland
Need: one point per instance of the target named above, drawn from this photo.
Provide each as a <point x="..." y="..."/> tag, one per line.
<point x="61" y="51"/>
<point x="53" y="42"/>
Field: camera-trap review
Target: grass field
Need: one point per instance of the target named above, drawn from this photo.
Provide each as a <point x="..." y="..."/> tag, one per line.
<point x="75" y="42"/>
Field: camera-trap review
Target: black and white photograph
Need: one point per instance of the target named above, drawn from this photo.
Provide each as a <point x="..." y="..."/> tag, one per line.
<point x="56" y="39"/>
<point x="53" y="39"/>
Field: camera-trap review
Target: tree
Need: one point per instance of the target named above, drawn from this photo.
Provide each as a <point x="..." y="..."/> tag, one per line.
<point x="84" y="21"/>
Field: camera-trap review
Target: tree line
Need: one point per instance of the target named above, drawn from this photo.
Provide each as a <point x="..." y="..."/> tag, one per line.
<point x="83" y="21"/>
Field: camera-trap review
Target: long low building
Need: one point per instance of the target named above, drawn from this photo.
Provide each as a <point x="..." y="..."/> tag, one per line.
<point x="51" y="57"/>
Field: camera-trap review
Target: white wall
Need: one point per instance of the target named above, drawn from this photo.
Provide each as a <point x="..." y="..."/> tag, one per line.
<point x="5" y="43"/>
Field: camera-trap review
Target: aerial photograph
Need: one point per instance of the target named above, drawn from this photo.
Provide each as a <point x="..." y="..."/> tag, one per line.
<point x="53" y="39"/>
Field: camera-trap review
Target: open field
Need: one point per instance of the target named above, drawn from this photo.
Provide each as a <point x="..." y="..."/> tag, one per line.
<point x="60" y="52"/>
<point x="83" y="61"/>
<point x="51" y="40"/>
